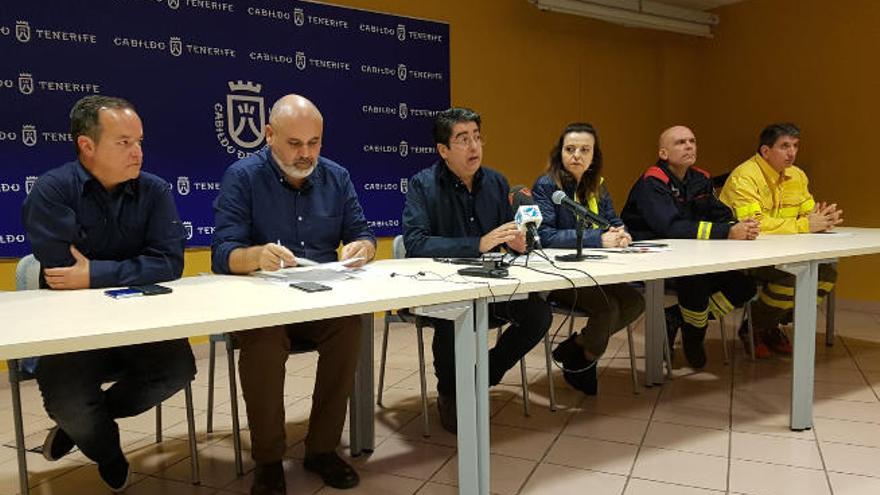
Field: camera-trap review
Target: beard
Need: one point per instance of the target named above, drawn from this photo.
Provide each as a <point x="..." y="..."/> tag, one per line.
<point x="294" y="170"/>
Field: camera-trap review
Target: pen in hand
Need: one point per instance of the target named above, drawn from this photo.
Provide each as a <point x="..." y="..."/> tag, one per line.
<point x="280" y="258"/>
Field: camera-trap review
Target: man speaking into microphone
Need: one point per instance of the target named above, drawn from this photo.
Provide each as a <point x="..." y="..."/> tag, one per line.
<point x="458" y="208"/>
<point x="575" y="171"/>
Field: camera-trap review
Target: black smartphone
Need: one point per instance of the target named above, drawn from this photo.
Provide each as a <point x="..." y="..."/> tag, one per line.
<point x="123" y="293"/>
<point x="310" y="286"/>
<point x="152" y="289"/>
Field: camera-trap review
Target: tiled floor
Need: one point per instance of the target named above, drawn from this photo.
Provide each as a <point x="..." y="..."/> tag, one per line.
<point x="719" y="431"/>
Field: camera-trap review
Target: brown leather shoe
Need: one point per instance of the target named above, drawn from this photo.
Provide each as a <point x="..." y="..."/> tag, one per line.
<point x="448" y="415"/>
<point x="269" y="479"/>
<point x="332" y="469"/>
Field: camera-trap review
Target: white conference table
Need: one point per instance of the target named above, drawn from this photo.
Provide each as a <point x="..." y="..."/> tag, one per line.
<point x="46" y="322"/>
<point x="797" y="254"/>
<point x="43" y="322"/>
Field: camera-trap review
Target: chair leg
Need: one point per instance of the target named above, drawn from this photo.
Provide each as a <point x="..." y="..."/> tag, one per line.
<point x="159" y="423"/>
<point x="382" y="363"/>
<point x="19" y="425"/>
<point x="632" y="359"/>
<point x="191" y="433"/>
<point x="667" y="354"/>
<point x="748" y="314"/>
<point x="423" y="382"/>
<point x="525" y="386"/>
<point x="212" y="365"/>
<point x="233" y="395"/>
<point x="724" y="340"/>
<point x="570" y="325"/>
<point x="831" y="306"/>
<point x="548" y="356"/>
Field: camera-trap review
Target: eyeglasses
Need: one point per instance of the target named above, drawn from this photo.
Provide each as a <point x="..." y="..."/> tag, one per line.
<point x="572" y="150"/>
<point x="466" y="141"/>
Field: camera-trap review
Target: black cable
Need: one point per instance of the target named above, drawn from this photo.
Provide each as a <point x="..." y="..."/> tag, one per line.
<point x="572" y="307"/>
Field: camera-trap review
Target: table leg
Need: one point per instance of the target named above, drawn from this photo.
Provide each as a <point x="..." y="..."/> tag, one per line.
<point x="471" y="372"/>
<point x="806" y="280"/>
<point x="481" y="326"/>
<point x="362" y="434"/>
<point x="655" y="327"/>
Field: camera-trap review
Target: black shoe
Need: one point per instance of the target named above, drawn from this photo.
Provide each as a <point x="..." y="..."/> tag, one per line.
<point x="674" y="321"/>
<point x="571" y="356"/>
<point x="115" y="474"/>
<point x="448" y="414"/>
<point x="269" y="479"/>
<point x="57" y="444"/>
<point x="692" y="341"/>
<point x="333" y="470"/>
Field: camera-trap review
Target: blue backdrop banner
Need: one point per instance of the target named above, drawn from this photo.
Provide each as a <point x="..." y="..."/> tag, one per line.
<point x="203" y="75"/>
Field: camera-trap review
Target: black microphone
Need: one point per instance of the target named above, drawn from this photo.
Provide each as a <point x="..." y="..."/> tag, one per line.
<point x="560" y="198"/>
<point x="527" y="215"/>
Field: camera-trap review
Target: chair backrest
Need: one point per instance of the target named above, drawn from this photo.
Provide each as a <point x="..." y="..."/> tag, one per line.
<point x="398" y="249"/>
<point x="27" y="273"/>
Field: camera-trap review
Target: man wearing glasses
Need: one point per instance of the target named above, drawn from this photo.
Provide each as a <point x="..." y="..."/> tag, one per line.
<point x="457" y="208"/>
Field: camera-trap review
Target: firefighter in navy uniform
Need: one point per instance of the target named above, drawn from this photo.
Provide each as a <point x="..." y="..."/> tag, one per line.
<point x="675" y="199"/>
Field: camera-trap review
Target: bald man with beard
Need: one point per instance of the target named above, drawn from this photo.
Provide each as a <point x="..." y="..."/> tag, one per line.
<point x="674" y="199"/>
<point x="283" y="203"/>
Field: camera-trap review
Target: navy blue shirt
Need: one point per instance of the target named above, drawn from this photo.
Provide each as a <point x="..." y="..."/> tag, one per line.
<point x="660" y="205"/>
<point x="558" y="223"/>
<point x="131" y="236"/>
<point x="443" y="218"/>
<point x="257" y="206"/>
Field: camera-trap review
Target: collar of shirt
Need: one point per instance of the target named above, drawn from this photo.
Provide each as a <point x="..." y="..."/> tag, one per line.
<point x="446" y="176"/>
<point x="316" y="178"/>
<point x="770" y="174"/>
<point x="90" y="184"/>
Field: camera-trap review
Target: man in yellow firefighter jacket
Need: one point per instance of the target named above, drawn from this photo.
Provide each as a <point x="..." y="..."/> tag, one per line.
<point x="770" y="188"/>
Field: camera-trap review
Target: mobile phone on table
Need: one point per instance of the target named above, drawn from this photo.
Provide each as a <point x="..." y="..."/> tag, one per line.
<point x="308" y="286"/>
<point x="123" y="293"/>
<point x="152" y="289"/>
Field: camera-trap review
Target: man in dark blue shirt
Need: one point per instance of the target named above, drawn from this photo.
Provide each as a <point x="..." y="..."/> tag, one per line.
<point x="276" y="205"/>
<point x="459" y="208"/>
<point x="101" y="222"/>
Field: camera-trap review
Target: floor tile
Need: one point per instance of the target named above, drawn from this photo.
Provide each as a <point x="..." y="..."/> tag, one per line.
<point x="775" y="450"/>
<point x="688" y="438"/>
<point x="523" y="444"/>
<point x="848" y="484"/>
<point x="854" y="411"/>
<point x="596" y="455"/>
<point x="561" y="480"/>
<point x="623" y="406"/>
<point x="602" y="427"/>
<point x="299" y="481"/>
<point x="851" y="432"/>
<point x="756" y="478"/>
<point x="506" y="478"/>
<point x="541" y="419"/>
<point x="150" y="486"/>
<point x="378" y="484"/>
<point x="402" y="457"/>
<point x="645" y="487"/>
<point x="852" y="459"/>
<point x="701" y="471"/>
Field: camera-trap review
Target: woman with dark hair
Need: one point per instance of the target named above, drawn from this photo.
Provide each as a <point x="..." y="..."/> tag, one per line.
<point x="576" y="168"/>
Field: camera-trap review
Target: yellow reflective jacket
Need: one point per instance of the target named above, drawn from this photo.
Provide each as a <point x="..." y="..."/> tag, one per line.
<point x="780" y="201"/>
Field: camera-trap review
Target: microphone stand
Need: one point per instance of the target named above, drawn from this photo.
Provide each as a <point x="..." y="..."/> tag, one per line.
<point x="579" y="243"/>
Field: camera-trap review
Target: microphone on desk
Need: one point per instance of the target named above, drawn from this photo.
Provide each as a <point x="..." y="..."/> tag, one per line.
<point x="528" y="216"/>
<point x="560" y="198"/>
